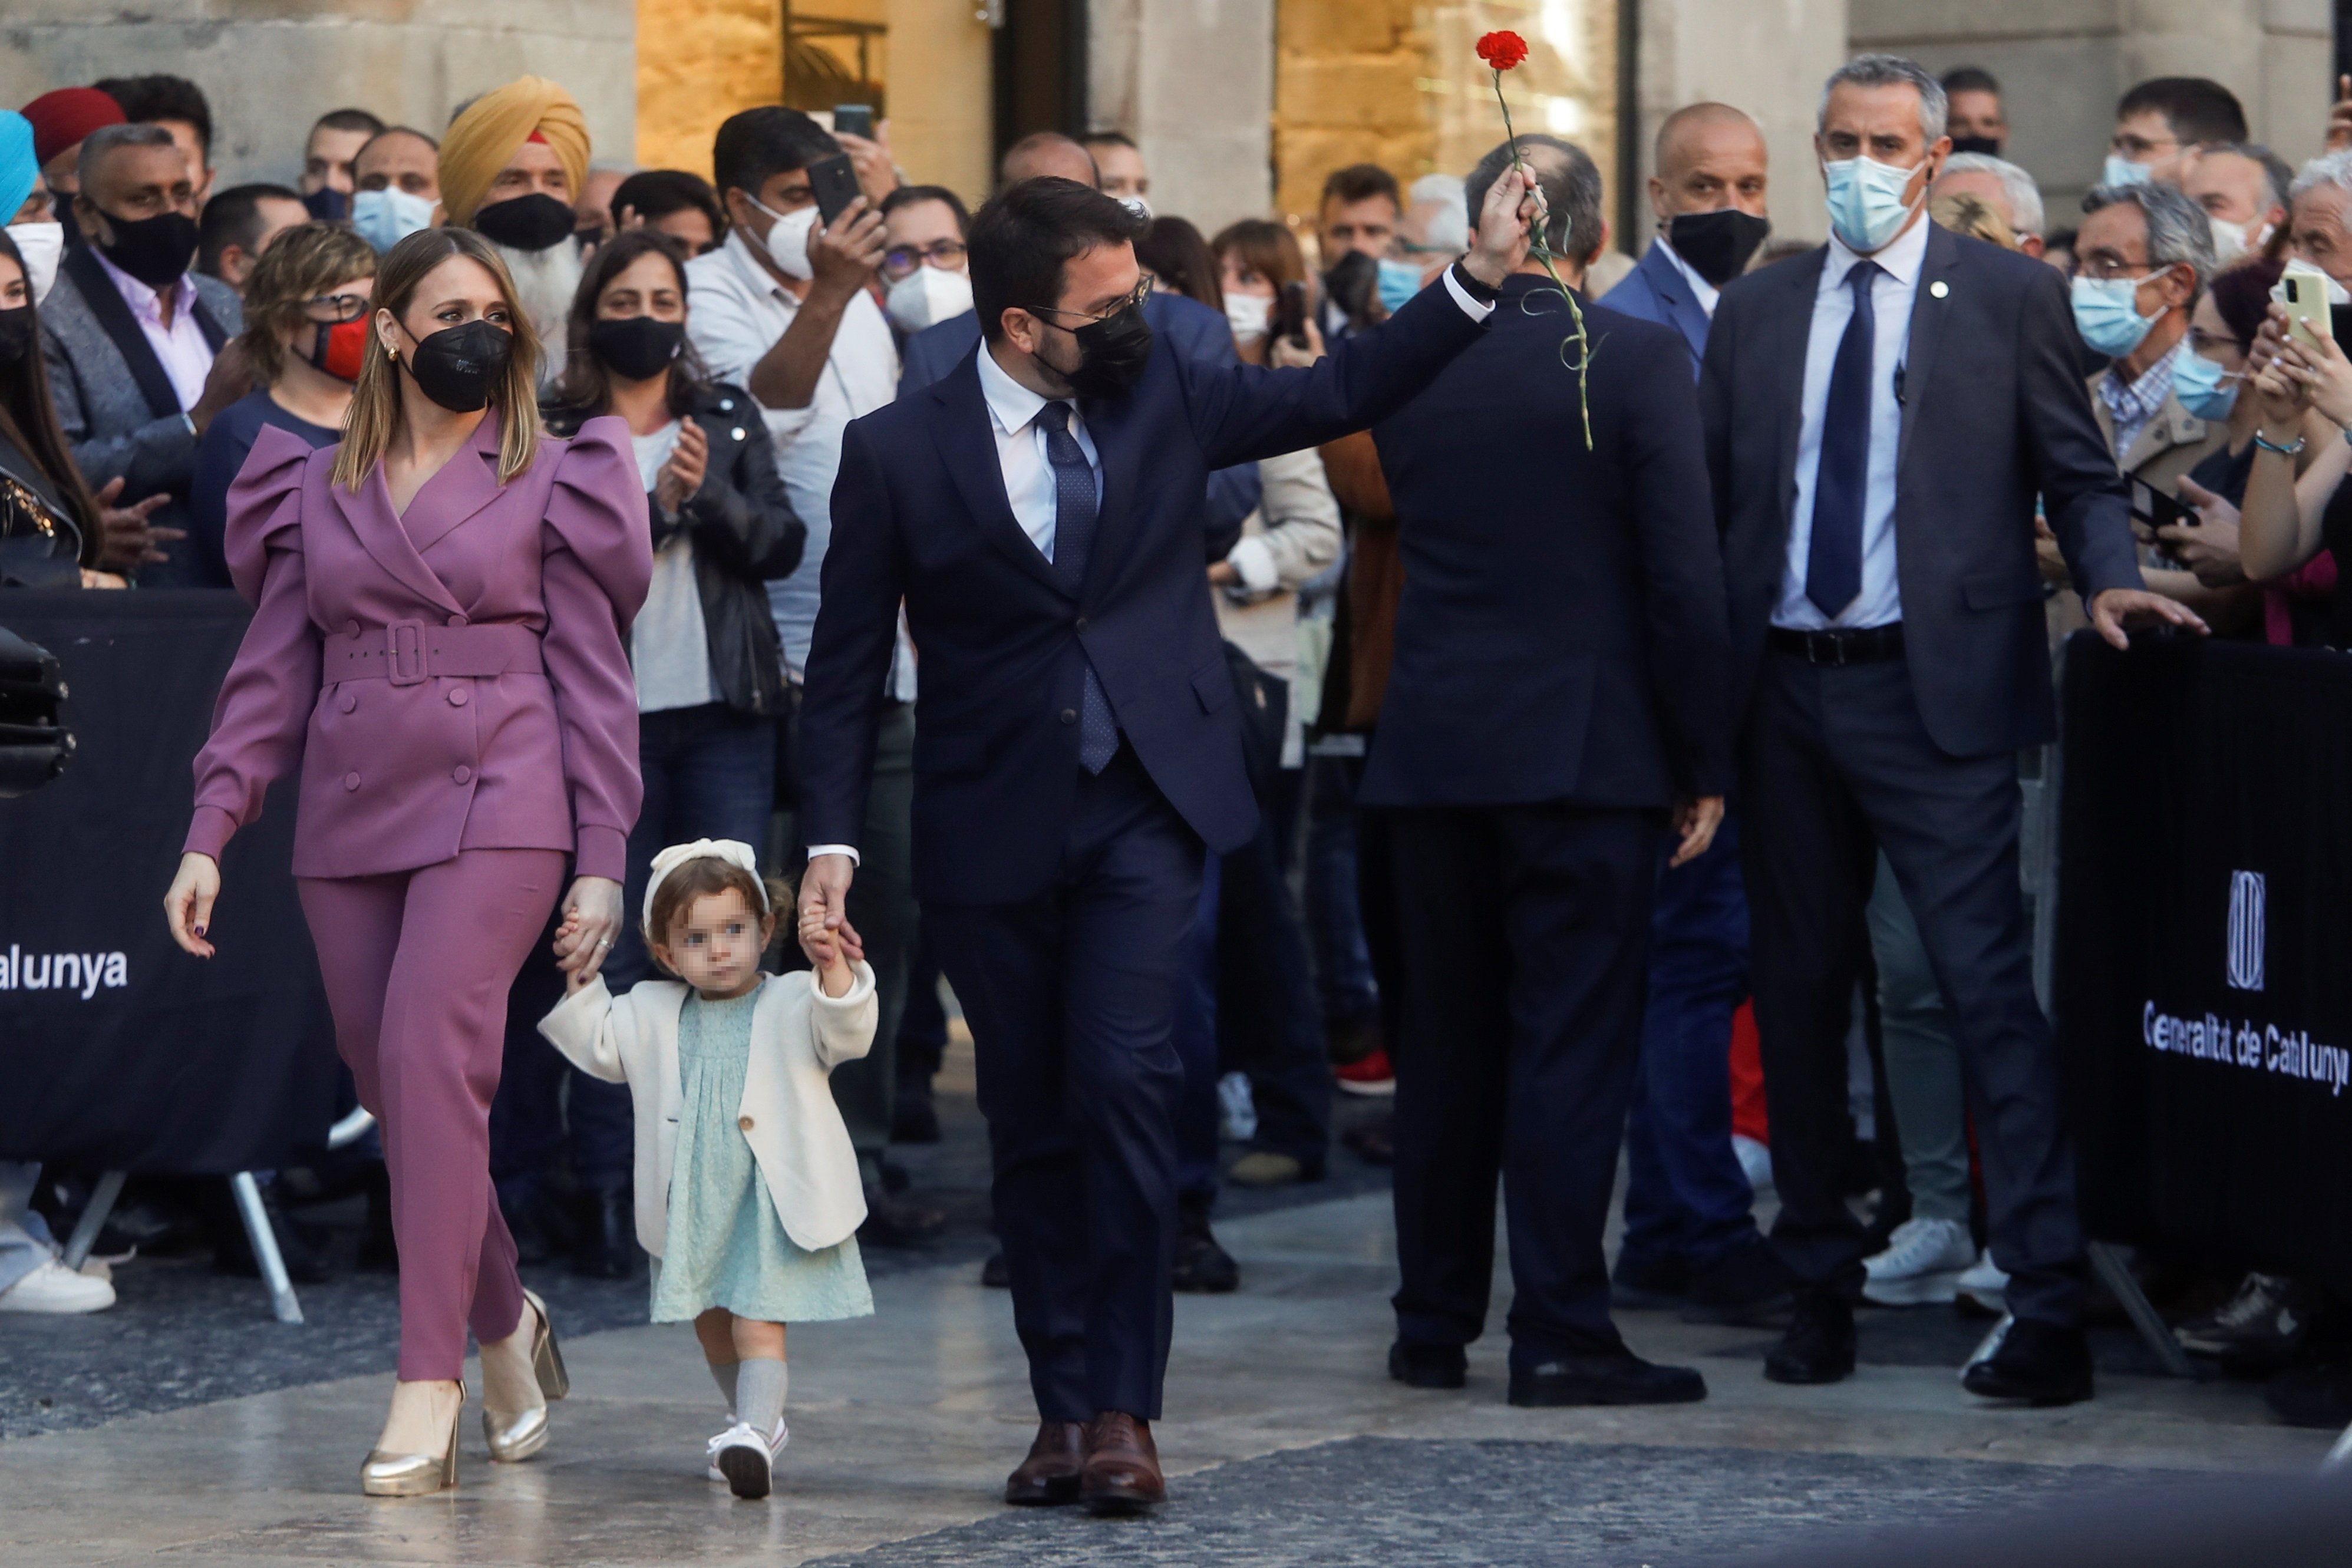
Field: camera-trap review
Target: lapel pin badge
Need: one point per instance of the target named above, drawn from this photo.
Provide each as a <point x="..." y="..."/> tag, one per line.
<point x="1939" y="289"/>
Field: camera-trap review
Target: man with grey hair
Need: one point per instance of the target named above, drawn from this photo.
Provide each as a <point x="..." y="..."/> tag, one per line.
<point x="2142" y="257"/>
<point x="2318" y="230"/>
<point x="1525" y="851"/>
<point x="2242" y="187"/>
<point x="1882" y="416"/>
<point x="2001" y="185"/>
<point x="132" y="340"/>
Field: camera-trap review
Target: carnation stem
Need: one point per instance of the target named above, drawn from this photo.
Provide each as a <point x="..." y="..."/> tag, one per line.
<point x="1583" y="363"/>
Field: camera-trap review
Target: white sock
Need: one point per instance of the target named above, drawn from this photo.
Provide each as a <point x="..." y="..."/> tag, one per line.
<point x="722" y="1373"/>
<point x="760" y="1393"/>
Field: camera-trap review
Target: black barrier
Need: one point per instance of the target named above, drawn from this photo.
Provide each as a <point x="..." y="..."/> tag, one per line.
<point x="118" y="1051"/>
<point x="2204" y="972"/>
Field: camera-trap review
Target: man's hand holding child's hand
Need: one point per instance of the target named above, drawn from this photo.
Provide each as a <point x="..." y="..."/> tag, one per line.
<point x="826" y="954"/>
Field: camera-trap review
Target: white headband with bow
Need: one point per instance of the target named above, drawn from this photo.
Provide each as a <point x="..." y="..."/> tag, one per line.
<point x="734" y="851"/>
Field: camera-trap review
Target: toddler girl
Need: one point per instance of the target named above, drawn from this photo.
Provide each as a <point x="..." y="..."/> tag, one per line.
<point x="747" y="1189"/>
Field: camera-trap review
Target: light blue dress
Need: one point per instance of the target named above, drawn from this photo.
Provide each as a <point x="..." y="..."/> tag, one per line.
<point x="726" y="1247"/>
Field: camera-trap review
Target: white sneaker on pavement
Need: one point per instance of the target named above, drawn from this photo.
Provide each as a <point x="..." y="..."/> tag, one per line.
<point x="1985" y="1284"/>
<point x="1923" y="1264"/>
<point x="54" y="1287"/>
<point x="745" y="1461"/>
<point x="1756" y="1161"/>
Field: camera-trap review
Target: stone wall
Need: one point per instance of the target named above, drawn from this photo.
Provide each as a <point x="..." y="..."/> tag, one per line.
<point x="1192" y="80"/>
<point x="272" y="66"/>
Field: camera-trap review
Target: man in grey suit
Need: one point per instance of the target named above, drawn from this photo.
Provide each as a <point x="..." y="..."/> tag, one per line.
<point x="1881" y="414"/>
<point x="133" y="341"/>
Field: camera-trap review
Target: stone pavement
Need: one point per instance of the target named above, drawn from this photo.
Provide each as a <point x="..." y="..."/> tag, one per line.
<point x="1287" y="1443"/>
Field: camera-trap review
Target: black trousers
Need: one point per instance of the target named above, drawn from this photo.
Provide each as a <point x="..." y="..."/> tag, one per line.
<point x="1525" y="933"/>
<point x="1071" y="996"/>
<point x="1837" y="764"/>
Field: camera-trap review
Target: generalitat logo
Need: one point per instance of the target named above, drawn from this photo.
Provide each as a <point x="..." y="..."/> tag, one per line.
<point x="78" y="972"/>
<point x="2249" y="914"/>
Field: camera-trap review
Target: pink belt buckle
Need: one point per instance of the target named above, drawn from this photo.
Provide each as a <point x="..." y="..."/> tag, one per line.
<point x="405" y="653"/>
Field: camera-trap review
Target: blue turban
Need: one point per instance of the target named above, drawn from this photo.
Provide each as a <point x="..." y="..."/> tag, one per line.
<point x="17" y="169"/>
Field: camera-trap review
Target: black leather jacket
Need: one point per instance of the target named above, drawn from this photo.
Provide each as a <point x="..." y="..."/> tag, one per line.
<point x="745" y="535"/>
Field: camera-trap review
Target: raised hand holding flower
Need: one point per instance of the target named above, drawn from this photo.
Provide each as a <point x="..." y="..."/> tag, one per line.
<point x="1502" y="51"/>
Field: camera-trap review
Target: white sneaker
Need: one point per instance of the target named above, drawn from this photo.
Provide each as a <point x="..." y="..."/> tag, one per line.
<point x="54" y="1287"/>
<point x="1756" y="1160"/>
<point x="1923" y="1264"/>
<point x="1985" y="1284"/>
<point x="744" y="1460"/>
<point x="1236" y="1109"/>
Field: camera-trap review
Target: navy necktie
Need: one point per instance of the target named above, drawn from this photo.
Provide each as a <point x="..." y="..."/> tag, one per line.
<point x="1834" y="563"/>
<point x="1075" y="514"/>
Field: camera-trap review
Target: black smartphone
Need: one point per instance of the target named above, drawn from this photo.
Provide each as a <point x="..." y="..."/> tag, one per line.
<point x="833" y="183"/>
<point x="1288" y="318"/>
<point x="2160" y="510"/>
<point x="854" y="120"/>
<point x="2340" y="317"/>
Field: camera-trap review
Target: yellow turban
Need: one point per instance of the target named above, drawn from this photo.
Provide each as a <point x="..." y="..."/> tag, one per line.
<point x="484" y="139"/>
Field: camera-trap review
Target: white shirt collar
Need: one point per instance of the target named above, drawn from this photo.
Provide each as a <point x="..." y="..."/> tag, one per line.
<point x="762" y="280"/>
<point x="1902" y="257"/>
<point x="1009" y="403"/>
<point x="1707" y="293"/>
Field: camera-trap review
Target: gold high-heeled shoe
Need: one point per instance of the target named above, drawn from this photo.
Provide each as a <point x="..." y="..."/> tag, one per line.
<point x="415" y="1475"/>
<point x="516" y="1437"/>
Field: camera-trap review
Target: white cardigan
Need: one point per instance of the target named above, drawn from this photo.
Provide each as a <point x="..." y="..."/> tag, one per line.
<point x="799" y="1034"/>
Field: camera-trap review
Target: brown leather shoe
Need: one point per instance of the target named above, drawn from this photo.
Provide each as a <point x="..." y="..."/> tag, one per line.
<point x="1122" y="1469"/>
<point x="1049" y="1475"/>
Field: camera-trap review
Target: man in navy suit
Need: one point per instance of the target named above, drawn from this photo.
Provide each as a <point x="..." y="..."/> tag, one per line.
<point x="1690" y="1236"/>
<point x="1037" y="512"/>
<point x="1881" y="415"/>
<point x="1557" y="691"/>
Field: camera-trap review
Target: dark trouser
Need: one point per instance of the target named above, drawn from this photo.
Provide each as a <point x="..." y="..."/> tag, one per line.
<point x="1836" y="766"/>
<point x="1343" y="958"/>
<point x="1197" y="1120"/>
<point x="882" y="908"/>
<point x="1268" y="1025"/>
<point x="1071" y="996"/>
<point x="1524" y="931"/>
<point x="1686" y="1194"/>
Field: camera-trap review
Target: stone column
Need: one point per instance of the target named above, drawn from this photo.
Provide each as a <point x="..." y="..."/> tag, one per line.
<point x="1768" y="57"/>
<point x="1192" y="81"/>
<point x="272" y="66"/>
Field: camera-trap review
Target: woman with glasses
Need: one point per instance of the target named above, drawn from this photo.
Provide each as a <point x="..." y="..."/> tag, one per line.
<point x="923" y="271"/>
<point x="306" y="328"/>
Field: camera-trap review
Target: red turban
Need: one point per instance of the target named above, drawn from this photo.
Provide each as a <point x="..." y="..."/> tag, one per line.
<point x="62" y="117"/>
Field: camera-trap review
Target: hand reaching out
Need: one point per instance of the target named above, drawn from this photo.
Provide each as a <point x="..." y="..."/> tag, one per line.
<point x="2210" y="548"/>
<point x="125" y="541"/>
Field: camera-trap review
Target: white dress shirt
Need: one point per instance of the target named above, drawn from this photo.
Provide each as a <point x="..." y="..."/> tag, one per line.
<point x="1880" y="602"/>
<point x="181" y="348"/>
<point x="740" y="312"/>
<point x="1705" y="293"/>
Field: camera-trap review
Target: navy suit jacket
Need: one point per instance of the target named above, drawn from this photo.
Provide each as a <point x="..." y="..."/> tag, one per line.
<point x="1562" y="636"/>
<point x="920" y="514"/>
<point x="1995" y="412"/>
<point x="1656" y="290"/>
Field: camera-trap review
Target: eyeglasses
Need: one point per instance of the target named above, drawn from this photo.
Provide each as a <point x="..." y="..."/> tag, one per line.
<point x="1132" y="302"/>
<point x="2104" y="267"/>
<point x="901" y="260"/>
<point x="336" y="308"/>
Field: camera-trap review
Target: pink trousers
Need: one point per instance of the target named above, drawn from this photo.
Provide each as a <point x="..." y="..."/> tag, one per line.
<point x="417" y="966"/>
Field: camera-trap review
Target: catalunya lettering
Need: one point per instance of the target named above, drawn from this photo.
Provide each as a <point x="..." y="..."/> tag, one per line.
<point x="2248" y="1046"/>
<point x="82" y="973"/>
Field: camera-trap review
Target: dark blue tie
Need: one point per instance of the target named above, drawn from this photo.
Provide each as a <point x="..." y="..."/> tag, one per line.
<point x="1074" y="514"/>
<point x="1834" y="563"/>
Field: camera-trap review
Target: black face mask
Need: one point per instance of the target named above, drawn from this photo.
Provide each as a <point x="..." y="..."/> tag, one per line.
<point x="457" y="366"/>
<point x="636" y="348"/>
<point x="16" y="336"/>
<point x="1112" y="353"/>
<point x="1984" y="144"/>
<point x="155" y="250"/>
<point x="328" y="206"/>
<point x="536" y="221"/>
<point x="1716" y="245"/>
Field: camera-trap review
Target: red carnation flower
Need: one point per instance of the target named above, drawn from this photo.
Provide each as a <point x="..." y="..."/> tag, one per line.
<point x="1502" y="50"/>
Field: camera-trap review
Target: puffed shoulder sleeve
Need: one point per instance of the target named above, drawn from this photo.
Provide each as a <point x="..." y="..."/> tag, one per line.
<point x="598" y="561"/>
<point x="268" y="695"/>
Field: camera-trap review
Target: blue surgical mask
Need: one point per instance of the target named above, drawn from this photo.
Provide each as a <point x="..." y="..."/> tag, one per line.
<point x="385" y="217"/>
<point x="2123" y="172"/>
<point x="2106" y="312"/>
<point x="1399" y="281"/>
<point x="1866" y="202"/>
<point x="2203" y="387"/>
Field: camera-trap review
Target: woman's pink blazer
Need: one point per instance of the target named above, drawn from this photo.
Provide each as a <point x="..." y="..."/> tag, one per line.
<point x="453" y="679"/>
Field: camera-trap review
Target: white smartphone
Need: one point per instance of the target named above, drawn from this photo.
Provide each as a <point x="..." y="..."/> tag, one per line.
<point x="2303" y="289"/>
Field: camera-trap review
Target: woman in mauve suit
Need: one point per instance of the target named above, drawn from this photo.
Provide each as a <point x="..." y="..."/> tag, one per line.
<point x="439" y="602"/>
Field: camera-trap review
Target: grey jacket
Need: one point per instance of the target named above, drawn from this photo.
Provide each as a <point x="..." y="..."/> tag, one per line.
<point x="106" y="419"/>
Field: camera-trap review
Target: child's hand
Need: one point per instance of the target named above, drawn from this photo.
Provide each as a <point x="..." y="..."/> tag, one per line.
<point x="826" y="953"/>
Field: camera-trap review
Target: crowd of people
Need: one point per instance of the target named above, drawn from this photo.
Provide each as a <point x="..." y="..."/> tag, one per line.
<point x="1545" y="752"/>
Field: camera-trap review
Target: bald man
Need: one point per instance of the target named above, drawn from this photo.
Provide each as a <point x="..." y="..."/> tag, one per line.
<point x="1708" y="196"/>
<point x="1047" y="154"/>
<point x="1689" y="1236"/>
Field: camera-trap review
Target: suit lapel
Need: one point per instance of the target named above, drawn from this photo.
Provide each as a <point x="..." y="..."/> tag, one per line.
<point x="467" y="483"/>
<point x="369" y="514"/>
<point x="1786" y="364"/>
<point x="1667" y="282"/>
<point x="965" y="437"/>
<point x="114" y="315"/>
<point x="1929" y="310"/>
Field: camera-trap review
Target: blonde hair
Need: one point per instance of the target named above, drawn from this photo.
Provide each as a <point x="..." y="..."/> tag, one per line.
<point x="300" y="264"/>
<point x="374" y="417"/>
<point x="1966" y="215"/>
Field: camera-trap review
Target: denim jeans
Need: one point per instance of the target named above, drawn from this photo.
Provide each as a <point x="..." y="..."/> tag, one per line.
<point x="1343" y="960"/>
<point x="1267" y="1023"/>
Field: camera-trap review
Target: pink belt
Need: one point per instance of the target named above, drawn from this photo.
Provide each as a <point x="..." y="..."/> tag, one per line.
<point x="408" y="652"/>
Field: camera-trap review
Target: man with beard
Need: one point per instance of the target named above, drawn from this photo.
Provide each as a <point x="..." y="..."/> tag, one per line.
<point x="511" y="163"/>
